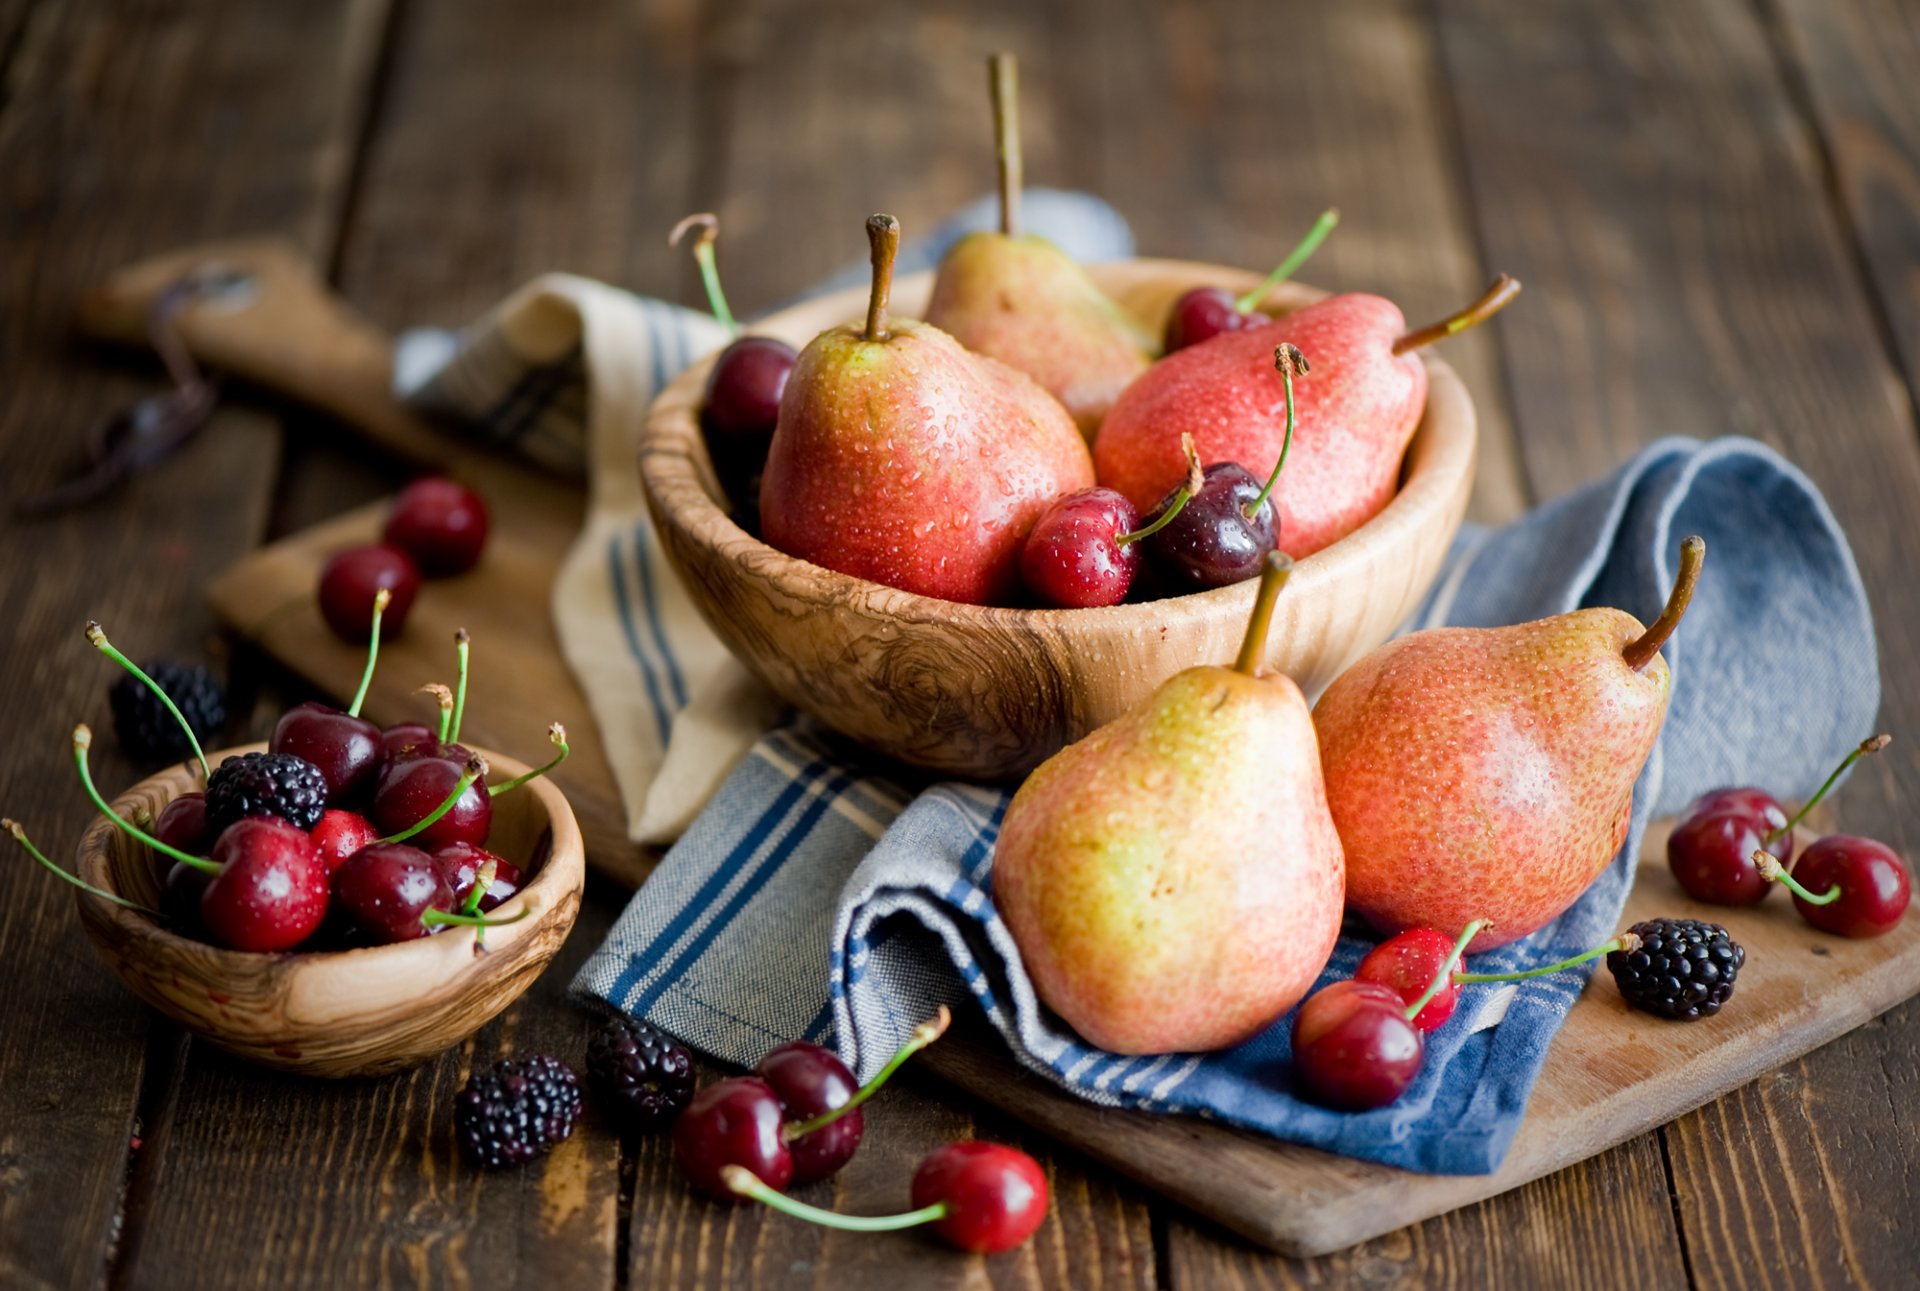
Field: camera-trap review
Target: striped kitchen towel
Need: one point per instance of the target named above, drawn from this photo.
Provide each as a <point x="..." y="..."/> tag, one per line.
<point x="563" y="371"/>
<point x="826" y="897"/>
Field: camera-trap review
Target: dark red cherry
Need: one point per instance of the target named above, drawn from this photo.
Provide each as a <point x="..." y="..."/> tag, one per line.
<point x="1408" y="963"/>
<point x="348" y="582"/>
<point x="271" y="891"/>
<point x="182" y="823"/>
<point x="996" y="1196"/>
<point x="733" y="1122"/>
<point x="1758" y="803"/>
<point x="1353" y="1048"/>
<point x="1711" y="856"/>
<point x="402" y="741"/>
<point x="180" y="894"/>
<point x="808" y="1081"/>
<point x="441" y="524"/>
<point x="1874" y="884"/>
<point x="345" y="748"/>
<point x="1213" y="542"/>
<point x="1204" y="313"/>
<point x="339" y="834"/>
<point x="383" y="891"/>
<point x="742" y="400"/>
<point x="413" y="786"/>
<point x="460" y="866"/>
<point x="1073" y="556"/>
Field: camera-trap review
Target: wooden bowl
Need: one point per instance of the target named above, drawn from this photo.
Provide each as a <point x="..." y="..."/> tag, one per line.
<point x="990" y="692"/>
<point x="338" y="1013"/>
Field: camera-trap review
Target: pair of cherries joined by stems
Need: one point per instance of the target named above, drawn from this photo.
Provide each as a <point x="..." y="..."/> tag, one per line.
<point x="797" y="1119"/>
<point x="1736" y="844"/>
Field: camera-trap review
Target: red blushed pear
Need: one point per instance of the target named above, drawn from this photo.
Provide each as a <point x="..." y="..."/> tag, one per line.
<point x="1489" y="771"/>
<point x="1356" y="411"/>
<point x="1173" y="880"/>
<point x="901" y="458"/>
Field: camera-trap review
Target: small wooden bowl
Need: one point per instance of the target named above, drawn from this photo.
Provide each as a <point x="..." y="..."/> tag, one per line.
<point x="338" y="1013"/>
<point x="989" y="692"/>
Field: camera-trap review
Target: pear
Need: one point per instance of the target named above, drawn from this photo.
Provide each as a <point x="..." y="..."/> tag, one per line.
<point x="1173" y="880"/>
<point x="1357" y="411"/>
<point x="900" y="457"/>
<point x="1488" y="772"/>
<point x="1022" y="300"/>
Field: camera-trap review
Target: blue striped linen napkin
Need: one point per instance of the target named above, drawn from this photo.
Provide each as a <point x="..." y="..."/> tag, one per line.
<point x="824" y="896"/>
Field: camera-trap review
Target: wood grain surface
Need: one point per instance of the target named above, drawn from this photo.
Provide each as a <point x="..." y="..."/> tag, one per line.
<point x="1713" y="201"/>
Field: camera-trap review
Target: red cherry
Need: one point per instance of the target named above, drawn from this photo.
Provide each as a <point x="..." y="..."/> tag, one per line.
<point x="1073" y="555"/>
<point x="1711" y="856"/>
<point x="182" y="823"/>
<point x="459" y="865"/>
<point x="743" y="396"/>
<point x="412" y="787"/>
<point x="348" y="582"/>
<point x="996" y="1196"/>
<point x="733" y="1122"/>
<point x="383" y="891"/>
<point x="400" y="741"/>
<point x="271" y="891"/>
<point x="1408" y="963"/>
<point x="1874" y="884"/>
<point x="1758" y="803"/>
<point x="441" y="524"/>
<point x="339" y="834"/>
<point x="345" y="748"/>
<point x="810" y="1080"/>
<point x="1205" y="312"/>
<point x="1353" y="1047"/>
<point x="180" y="894"/>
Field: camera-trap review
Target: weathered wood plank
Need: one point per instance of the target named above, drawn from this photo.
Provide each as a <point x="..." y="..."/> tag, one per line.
<point x="110" y="116"/>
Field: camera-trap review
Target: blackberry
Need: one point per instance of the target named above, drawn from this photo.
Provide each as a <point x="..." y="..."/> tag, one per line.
<point x="147" y="730"/>
<point x="517" y="1111"/>
<point x="1682" y="969"/>
<point x="642" y="1071"/>
<point x="265" y="784"/>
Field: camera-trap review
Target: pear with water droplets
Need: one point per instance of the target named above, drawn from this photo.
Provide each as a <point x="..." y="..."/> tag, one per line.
<point x="1174" y="881"/>
<point x="902" y="458"/>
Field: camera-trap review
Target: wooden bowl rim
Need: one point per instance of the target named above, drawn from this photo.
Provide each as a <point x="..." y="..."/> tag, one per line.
<point x="432" y="958"/>
<point x="675" y="473"/>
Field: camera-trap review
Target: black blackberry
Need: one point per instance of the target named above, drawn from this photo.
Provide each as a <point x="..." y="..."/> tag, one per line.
<point x="265" y="784"/>
<point x="1682" y="969"/>
<point x="644" y="1073"/>
<point x="147" y="730"/>
<point x="514" y="1113"/>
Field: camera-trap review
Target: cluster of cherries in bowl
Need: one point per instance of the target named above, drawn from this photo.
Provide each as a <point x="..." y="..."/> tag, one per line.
<point x="436" y="529"/>
<point x="339" y="834"/>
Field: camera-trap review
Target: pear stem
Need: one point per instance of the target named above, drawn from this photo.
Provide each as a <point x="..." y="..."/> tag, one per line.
<point x="1003" y="83"/>
<point x="82" y="741"/>
<point x="1288" y="361"/>
<point x="1496" y="298"/>
<point x="381" y="599"/>
<point x="97" y="637"/>
<point x="1253" y="648"/>
<point x="1640" y="651"/>
<point x="555" y="733"/>
<point x="1867" y="747"/>
<point x="709" y="225"/>
<point x="20" y="837"/>
<point x="1625" y="941"/>
<point x="1445" y="974"/>
<point x="923" y="1035"/>
<point x="476" y="767"/>
<point x="1297" y="257"/>
<point x="883" y="236"/>
<point x="1771" y="870"/>
<point x="747" y="1184"/>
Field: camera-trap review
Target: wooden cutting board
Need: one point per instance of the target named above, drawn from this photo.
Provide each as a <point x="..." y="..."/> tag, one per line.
<point x="1612" y="1073"/>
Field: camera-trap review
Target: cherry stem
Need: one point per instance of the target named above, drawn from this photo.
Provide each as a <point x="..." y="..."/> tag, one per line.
<point x="923" y="1035"/>
<point x="97" y="636"/>
<point x="20" y="837"/>
<point x="1640" y="651"/>
<point x="432" y="917"/>
<point x="1866" y="749"/>
<point x="1295" y="258"/>
<point x="462" y="645"/>
<point x="82" y="741"/>
<point x="1289" y="362"/>
<point x="558" y="734"/>
<point x="883" y="240"/>
<point x="709" y="225"/>
<point x="1625" y="941"/>
<point x="475" y="768"/>
<point x="1003" y="83"/>
<point x="1253" y="648"/>
<point x="1159" y="522"/>
<point x="746" y="1183"/>
<point x="444" y="697"/>
<point x="482" y="880"/>
<point x="1496" y="298"/>
<point x="381" y="599"/>
<point x="1771" y="870"/>
<point x="1442" y="978"/>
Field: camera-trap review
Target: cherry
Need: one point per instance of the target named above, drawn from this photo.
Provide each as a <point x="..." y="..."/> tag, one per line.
<point x="733" y="1123"/>
<point x="1205" y="312"/>
<point x="339" y="834"/>
<point x="349" y="581"/>
<point x="441" y="524"/>
<point x="1855" y="887"/>
<point x="385" y="889"/>
<point x="810" y="1080"/>
<point x="181" y="891"/>
<point x="183" y="823"/>
<point x="1228" y="524"/>
<point x="411" y="788"/>
<point x="460" y="864"/>
<point x="1353" y="1047"/>
<point x="1754" y="802"/>
<point x="271" y="889"/>
<point x="1408" y="962"/>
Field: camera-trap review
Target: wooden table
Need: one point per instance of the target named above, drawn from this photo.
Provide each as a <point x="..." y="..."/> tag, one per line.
<point x="1715" y="206"/>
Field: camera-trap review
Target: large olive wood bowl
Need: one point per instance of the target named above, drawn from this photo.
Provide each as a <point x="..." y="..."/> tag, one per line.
<point x="349" y="1012"/>
<point x="990" y="692"/>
